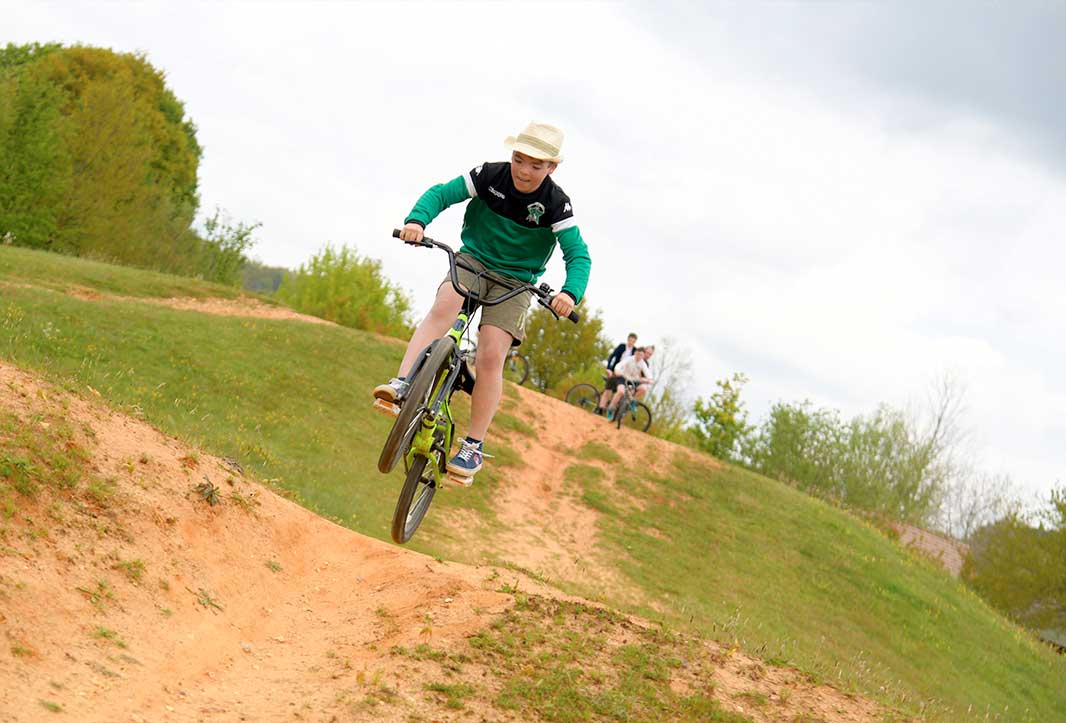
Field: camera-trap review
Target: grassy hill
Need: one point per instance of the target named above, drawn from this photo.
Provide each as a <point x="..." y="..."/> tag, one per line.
<point x="679" y="538"/>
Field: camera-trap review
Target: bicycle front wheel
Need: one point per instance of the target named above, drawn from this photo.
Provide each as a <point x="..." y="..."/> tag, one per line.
<point x="417" y="493"/>
<point x="434" y="366"/>
<point x="637" y="416"/>
<point x="516" y="369"/>
<point x="585" y="396"/>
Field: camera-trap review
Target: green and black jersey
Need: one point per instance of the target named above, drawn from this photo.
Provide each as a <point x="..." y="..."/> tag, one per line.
<point x="510" y="232"/>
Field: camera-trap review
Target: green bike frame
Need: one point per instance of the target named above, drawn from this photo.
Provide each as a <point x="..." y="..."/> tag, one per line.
<point x="437" y="431"/>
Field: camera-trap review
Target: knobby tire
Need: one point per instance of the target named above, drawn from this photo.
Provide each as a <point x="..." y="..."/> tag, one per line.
<point x="434" y="366"/>
<point x="637" y="416"/>
<point x="516" y="369"/>
<point x="585" y="396"/>
<point x="415" y="497"/>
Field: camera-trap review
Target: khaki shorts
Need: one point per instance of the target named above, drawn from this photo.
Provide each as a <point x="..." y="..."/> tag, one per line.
<point x="510" y="315"/>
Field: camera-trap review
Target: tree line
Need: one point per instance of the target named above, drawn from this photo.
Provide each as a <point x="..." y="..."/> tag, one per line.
<point x="98" y="159"/>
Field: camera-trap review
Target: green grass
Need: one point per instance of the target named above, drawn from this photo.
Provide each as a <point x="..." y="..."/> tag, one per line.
<point x="570" y="663"/>
<point x="600" y="451"/>
<point x="54" y="271"/>
<point x="726" y="553"/>
<point x="800" y="583"/>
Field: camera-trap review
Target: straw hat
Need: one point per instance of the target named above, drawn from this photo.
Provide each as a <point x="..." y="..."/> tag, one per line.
<point x="538" y="140"/>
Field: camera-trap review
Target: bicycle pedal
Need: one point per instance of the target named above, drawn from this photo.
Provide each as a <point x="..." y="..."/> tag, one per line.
<point x="459" y="480"/>
<point x="385" y="407"/>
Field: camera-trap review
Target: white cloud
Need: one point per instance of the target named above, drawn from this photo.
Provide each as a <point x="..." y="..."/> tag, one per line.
<point x="842" y="246"/>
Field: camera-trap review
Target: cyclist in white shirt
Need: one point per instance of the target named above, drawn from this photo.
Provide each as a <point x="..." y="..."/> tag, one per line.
<point x="633" y="370"/>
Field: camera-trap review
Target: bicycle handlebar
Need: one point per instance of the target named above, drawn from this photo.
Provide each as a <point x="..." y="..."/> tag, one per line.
<point x="543" y="293"/>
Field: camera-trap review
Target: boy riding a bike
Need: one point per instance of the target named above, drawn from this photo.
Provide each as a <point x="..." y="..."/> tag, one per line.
<point x="516" y="217"/>
<point x="633" y="371"/>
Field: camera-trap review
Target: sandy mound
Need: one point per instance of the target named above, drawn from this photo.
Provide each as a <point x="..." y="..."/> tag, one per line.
<point x="130" y="597"/>
<point x="156" y="605"/>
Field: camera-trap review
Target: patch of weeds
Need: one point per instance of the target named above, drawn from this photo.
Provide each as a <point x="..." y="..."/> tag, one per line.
<point x="190" y="461"/>
<point x="583" y="474"/>
<point x="50" y="705"/>
<point x="98" y="596"/>
<point x="102" y="490"/>
<point x="207" y="599"/>
<point x="600" y="451"/>
<point x="506" y="421"/>
<point x="132" y="569"/>
<point x="273" y="565"/>
<point x="22" y="651"/>
<point x="144" y="458"/>
<point x="754" y="697"/>
<point x="453" y="694"/>
<point x="247" y="502"/>
<point x="20" y="473"/>
<point x="108" y="634"/>
<point x="208" y="492"/>
<point x="380" y="693"/>
<point x="562" y="661"/>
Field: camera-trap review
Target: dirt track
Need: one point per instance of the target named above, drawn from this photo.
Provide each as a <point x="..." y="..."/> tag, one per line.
<point x="259" y="610"/>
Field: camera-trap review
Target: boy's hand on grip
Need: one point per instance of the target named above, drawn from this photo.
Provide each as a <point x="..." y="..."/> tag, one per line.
<point x="562" y="305"/>
<point x="412" y="232"/>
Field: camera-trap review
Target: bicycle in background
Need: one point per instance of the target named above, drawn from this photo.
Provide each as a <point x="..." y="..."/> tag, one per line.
<point x="629" y="411"/>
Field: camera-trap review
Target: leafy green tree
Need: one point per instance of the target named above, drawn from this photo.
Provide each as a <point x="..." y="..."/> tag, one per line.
<point x="341" y="286"/>
<point x="561" y="353"/>
<point x="799" y="445"/>
<point x="96" y="156"/>
<point x="721" y="421"/>
<point x="34" y="162"/>
<point x="881" y="462"/>
<point x="1021" y="569"/>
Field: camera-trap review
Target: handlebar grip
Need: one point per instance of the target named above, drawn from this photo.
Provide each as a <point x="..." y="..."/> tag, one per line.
<point x="426" y="240"/>
<point x="574" y="317"/>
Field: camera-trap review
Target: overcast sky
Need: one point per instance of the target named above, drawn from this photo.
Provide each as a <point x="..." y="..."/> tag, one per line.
<point x="844" y="201"/>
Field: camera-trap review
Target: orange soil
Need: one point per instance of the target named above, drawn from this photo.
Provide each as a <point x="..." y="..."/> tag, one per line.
<point x="210" y="632"/>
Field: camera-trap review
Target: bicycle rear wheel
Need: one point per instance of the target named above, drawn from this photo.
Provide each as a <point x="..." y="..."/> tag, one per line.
<point x="516" y="369"/>
<point x="417" y="493"/>
<point x="435" y="365"/>
<point x="585" y="396"/>
<point x="637" y="416"/>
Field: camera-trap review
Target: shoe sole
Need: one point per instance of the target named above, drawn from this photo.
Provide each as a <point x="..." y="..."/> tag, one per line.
<point x="459" y="480"/>
<point x="390" y="409"/>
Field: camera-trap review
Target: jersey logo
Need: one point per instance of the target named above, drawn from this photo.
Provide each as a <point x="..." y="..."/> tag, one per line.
<point x="496" y="193"/>
<point x="478" y="170"/>
<point x="536" y="210"/>
<point x="567" y="208"/>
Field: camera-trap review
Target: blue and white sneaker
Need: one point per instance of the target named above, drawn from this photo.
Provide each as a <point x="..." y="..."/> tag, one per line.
<point x="466" y="463"/>
<point x="385" y="396"/>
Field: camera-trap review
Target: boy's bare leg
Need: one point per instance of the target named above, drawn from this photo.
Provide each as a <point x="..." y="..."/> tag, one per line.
<point x="439" y="319"/>
<point x="605" y="398"/>
<point x="493" y="344"/>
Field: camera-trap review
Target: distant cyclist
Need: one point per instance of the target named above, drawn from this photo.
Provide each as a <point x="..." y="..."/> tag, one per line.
<point x="622" y="351"/>
<point x="633" y="370"/>
<point x="515" y="218"/>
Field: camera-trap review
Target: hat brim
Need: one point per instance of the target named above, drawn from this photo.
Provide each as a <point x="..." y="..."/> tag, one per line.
<point x="513" y="144"/>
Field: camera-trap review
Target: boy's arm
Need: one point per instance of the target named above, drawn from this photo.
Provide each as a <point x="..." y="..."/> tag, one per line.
<point x="577" y="260"/>
<point x="438" y="198"/>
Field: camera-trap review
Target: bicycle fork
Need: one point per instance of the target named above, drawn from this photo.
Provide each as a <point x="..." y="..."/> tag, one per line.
<point x="427" y="442"/>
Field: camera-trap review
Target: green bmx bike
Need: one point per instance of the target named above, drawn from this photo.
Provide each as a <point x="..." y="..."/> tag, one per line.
<point x="424" y="430"/>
